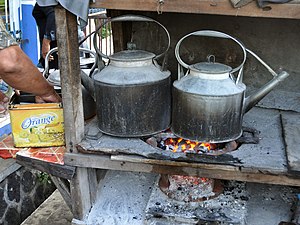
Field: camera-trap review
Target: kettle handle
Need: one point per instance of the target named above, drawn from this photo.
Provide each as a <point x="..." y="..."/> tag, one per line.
<point x="210" y="33"/>
<point x="136" y="19"/>
<point x="46" y="71"/>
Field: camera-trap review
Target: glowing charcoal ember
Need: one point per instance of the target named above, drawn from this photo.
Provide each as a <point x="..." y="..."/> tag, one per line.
<point x="181" y="145"/>
<point x="189" y="188"/>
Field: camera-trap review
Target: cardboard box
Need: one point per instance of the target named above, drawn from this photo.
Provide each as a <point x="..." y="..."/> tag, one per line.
<point x="36" y="125"/>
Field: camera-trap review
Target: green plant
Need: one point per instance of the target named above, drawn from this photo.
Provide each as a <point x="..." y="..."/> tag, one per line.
<point x="44" y="178"/>
<point x="106" y="31"/>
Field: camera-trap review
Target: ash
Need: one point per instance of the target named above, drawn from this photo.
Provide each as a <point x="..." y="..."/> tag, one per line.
<point x="230" y="207"/>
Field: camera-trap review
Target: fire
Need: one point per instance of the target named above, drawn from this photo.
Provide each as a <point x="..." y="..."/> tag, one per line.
<point x="181" y="145"/>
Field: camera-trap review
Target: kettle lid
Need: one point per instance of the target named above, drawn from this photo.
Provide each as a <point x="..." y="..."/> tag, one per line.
<point x="211" y="68"/>
<point x="132" y="55"/>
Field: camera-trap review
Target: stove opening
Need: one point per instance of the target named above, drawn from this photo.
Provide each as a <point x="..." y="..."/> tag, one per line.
<point x="189" y="188"/>
<point x="169" y="142"/>
<point x="193" y="188"/>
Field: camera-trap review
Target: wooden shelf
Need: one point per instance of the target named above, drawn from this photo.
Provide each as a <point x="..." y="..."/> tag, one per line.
<point x="140" y="164"/>
<point x="264" y="162"/>
<point x="215" y="7"/>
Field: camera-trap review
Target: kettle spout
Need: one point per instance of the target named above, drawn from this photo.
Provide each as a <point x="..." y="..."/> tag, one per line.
<point x="253" y="99"/>
<point x="88" y="83"/>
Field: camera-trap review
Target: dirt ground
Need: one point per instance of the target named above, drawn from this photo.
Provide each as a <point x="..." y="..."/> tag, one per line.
<point x="54" y="211"/>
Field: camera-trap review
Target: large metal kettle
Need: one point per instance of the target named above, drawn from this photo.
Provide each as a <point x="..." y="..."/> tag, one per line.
<point x="132" y="92"/>
<point x="209" y="102"/>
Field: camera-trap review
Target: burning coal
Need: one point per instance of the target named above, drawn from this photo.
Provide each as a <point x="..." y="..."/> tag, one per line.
<point x="182" y="145"/>
<point x="169" y="142"/>
<point x="189" y="188"/>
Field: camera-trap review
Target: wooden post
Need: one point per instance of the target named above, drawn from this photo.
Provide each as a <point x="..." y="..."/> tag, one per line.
<point x="68" y="55"/>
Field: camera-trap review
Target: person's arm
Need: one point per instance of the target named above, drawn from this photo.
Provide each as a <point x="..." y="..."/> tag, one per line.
<point x="46" y="48"/>
<point x="17" y="70"/>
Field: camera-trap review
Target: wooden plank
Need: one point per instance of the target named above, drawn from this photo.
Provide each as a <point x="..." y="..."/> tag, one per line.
<point x="148" y="166"/>
<point x="63" y="186"/>
<point x="215" y="7"/>
<point x="80" y="194"/>
<point x="68" y="56"/>
<point x="103" y="162"/>
<point x="67" y="40"/>
<point x="137" y="159"/>
<point x="58" y="170"/>
<point x="291" y="131"/>
<point x="93" y="183"/>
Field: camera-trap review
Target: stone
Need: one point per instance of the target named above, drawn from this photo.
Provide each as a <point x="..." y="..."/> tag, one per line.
<point x="27" y="208"/>
<point x="3" y="204"/>
<point x="49" y="188"/>
<point x="28" y="181"/>
<point x="13" y="187"/>
<point x="39" y="195"/>
<point x="12" y="217"/>
<point x="43" y="191"/>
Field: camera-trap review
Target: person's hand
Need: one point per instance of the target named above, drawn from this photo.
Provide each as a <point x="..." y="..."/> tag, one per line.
<point x="51" y="97"/>
<point x="4" y="100"/>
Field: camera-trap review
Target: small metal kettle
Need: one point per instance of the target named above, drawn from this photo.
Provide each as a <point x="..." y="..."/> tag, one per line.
<point x="209" y="102"/>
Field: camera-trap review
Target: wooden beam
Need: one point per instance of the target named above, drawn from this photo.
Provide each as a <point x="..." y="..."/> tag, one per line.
<point x="80" y="194"/>
<point x="67" y="40"/>
<point x="69" y="65"/>
<point x="215" y="7"/>
<point x="63" y="186"/>
<point x="93" y="183"/>
<point x="139" y="164"/>
<point x="62" y="171"/>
